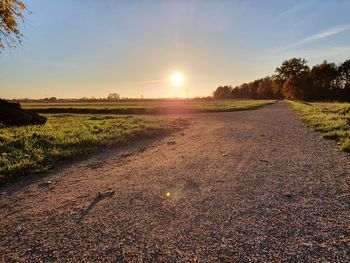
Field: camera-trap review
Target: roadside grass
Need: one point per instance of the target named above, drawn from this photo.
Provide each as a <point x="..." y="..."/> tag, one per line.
<point x="331" y="119"/>
<point x="34" y="149"/>
<point x="146" y="107"/>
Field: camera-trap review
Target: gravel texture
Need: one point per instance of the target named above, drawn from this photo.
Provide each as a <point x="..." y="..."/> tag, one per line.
<point x="252" y="186"/>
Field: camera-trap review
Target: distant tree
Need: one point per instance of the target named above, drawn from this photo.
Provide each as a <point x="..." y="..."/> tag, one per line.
<point x="277" y="86"/>
<point x="244" y="91"/>
<point x="11" y="16"/>
<point x="291" y="89"/>
<point x="324" y="79"/>
<point x="235" y="93"/>
<point x="343" y="81"/>
<point x="295" y="67"/>
<point x="253" y="89"/>
<point x="295" y="74"/>
<point x="222" y="92"/>
<point x="295" y="80"/>
<point x="51" y="99"/>
<point x="298" y="87"/>
<point x="113" y="96"/>
<point x="265" y="88"/>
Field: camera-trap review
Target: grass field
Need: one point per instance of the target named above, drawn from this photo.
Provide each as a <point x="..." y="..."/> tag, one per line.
<point x="146" y="106"/>
<point x="32" y="149"/>
<point x="332" y="119"/>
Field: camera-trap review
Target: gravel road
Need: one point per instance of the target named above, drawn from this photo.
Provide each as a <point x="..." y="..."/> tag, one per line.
<point x="250" y="186"/>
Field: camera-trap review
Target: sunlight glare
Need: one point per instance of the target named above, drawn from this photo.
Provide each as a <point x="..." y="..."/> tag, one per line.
<point x="176" y="79"/>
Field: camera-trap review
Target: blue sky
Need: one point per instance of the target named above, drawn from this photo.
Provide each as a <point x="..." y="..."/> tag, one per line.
<point x="93" y="47"/>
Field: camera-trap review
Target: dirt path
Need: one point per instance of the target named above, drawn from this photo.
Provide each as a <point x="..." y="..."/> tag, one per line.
<point x="240" y="186"/>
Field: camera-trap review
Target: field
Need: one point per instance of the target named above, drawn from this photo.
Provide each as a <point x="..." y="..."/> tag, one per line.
<point x="33" y="149"/>
<point x="331" y="119"/>
<point x="146" y="106"/>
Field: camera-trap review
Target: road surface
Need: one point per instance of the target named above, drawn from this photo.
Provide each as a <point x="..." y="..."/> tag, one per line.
<point x="233" y="187"/>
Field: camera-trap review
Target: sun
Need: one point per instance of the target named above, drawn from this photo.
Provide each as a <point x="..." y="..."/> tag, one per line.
<point x="176" y="79"/>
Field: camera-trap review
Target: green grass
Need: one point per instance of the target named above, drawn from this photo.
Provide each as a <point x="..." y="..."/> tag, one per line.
<point x="331" y="119"/>
<point x="33" y="149"/>
<point x="146" y="106"/>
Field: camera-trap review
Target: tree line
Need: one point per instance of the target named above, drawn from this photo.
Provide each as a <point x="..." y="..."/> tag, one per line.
<point x="295" y="80"/>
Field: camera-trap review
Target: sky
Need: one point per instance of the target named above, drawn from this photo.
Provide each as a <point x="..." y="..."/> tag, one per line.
<point x="90" y="48"/>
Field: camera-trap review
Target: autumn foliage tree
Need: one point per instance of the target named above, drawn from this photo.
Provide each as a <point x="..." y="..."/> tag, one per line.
<point x="264" y="89"/>
<point x="343" y="80"/>
<point x="11" y="16"/>
<point x="295" y="67"/>
<point x="295" y="73"/>
<point x="324" y="78"/>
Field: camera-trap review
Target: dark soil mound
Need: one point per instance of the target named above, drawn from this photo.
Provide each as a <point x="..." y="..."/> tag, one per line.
<point x="11" y="114"/>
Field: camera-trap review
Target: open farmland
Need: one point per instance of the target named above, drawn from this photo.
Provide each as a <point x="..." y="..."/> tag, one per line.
<point x="146" y="106"/>
<point x="331" y="119"/>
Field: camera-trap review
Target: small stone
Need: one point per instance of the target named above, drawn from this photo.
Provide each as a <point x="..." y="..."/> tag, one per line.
<point x="45" y="184"/>
<point x="288" y="196"/>
<point x="307" y="244"/>
<point x="263" y="161"/>
<point x="18" y="229"/>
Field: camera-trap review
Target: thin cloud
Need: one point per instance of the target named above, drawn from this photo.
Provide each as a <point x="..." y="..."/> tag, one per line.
<point x="319" y="36"/>
<point x="330" y="32"/>
<point x="295" y="9"/>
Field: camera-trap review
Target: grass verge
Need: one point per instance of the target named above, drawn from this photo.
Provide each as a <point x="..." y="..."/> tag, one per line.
<point x="331" y="119"/>
<point x="33" y="149"/>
